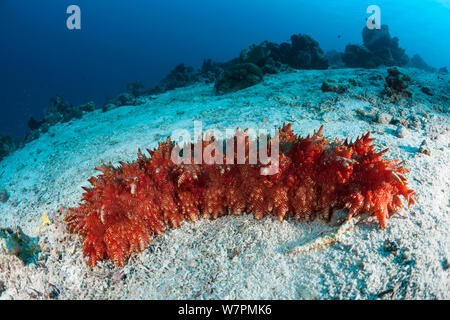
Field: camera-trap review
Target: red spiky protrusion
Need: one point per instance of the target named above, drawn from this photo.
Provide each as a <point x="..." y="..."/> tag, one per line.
<point x="129" y="204"/>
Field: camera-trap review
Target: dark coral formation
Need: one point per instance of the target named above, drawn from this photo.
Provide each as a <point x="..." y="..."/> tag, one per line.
<point x="180" y="76"/>
<point x="304" y="53"/>
<point x="265" y="55"/>
<point x="211" y="70"/>
<point x="129" y="204"/>
<point x="379" y="49"/>
<point x="4" y="196"/>
<point x="136" y="88"/>
<point x="123" y="99"/>
<point x="17" y="243"/>
<point x="358" y="56"/>
<point x="7" y="145"/>
<point x="426" y="90"/>
<point x="384" y="47"/>
<point x="238" y="77"/>
<point x="34" y="124"/>
<point x="58" y="110"/>
<point x="88" y="107"/>
<point x="396" y="86"/>
<point x="269" y="58"/>
<point x="241" y="72"/>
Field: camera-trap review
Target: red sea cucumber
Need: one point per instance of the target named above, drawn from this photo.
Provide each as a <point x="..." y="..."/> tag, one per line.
<point x="129" y="204"/>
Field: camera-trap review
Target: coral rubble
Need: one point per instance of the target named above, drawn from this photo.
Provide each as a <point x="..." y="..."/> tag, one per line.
<point x="4" y="196"/>
<point x="129" y="204"/>
<point x="7" y="145"/>
<point x="396" y="86"/>
<point x="326" y="87"/>
<point x="14" y="242"/>
<point x="239" y="77"/>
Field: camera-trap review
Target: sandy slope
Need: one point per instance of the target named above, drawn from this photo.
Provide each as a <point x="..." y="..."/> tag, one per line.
<point x="237" y="257"/>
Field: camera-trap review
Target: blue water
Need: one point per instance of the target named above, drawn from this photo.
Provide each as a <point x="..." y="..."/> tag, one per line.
<point x="123" y="41"/>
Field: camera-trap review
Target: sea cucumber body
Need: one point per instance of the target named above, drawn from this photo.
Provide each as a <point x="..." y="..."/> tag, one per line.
<point x="129" y="204"/>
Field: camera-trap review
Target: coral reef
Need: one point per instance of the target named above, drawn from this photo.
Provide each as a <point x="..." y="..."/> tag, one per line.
<point x="129" y="204"/>
<point x="238" y="77"/>
<point x="58" y="110"/>
<point x="34" y="124"/>
<point x="384" y="47"/>
<point x="125" y="99"/>
<point x="379" y="49"/>
<point x="134" y="97"/>
<point x="210" y="70"/>
<point x="302" y="53"/>
<point x="88" y="107"/>
<point x="136" y="88"/>
<point x="7" y="145"/>
<point x="358" y="56"/>
<point x="180" y="76"/>
<point x="265" y="55"/>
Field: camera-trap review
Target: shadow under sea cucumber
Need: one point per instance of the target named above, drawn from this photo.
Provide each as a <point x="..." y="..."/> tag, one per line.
<point x="129" y="204"/>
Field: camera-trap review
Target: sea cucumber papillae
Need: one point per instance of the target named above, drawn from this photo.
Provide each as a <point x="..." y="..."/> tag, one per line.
<point x="129" y="204"/>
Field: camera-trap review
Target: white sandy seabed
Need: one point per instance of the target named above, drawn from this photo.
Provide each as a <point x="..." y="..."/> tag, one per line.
<point x="238" y="257"/>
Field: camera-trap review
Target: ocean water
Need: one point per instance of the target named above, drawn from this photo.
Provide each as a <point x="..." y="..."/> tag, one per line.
<point x="120" y="42"/>
<point x="84" y="83"/>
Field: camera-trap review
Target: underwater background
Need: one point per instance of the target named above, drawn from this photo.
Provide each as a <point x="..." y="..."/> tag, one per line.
<point x="121" y="42"/>
<point x="364" y="199"/>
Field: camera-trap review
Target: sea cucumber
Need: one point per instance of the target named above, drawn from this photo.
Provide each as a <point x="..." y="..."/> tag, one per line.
<point x="129" y="204"/>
